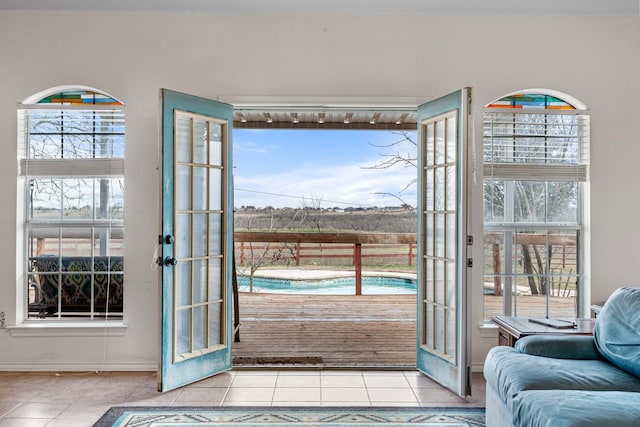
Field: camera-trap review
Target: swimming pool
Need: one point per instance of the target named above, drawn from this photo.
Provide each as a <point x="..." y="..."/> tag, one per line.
<point x="371" y="285"/>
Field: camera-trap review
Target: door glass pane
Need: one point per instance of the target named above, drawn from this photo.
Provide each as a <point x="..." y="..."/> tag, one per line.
<point x="215" y="234"/>
<point x="439" y="142"/>
<point x="183" y="331"/>
<point x="451" y="284"/>
<point x="199" y="189"/>
<point x="215" y="144"/>
<point x="183" y="236"/>
<point x="451" y="140"/>
<point x="199" y="235"/>
<point x="215" y="324"/>
<point x="199" y="328"/>
<point x="183" y="283"/>
<point x="429" y="155"/>
<point x="429" y="326"/>
<point x="215" y="189"/>
<point x="215" y="279"/>
<point x="439" y="282"/>
<point x="183" y="188"/>
<point x="183" y="139"/>
<point x="429" y="247"/>
<point x="438" y="230"/>
<point x="451" y="236"/>
<point x="199" y="281"/>
<point x="451" y="188"/>
<point x="439" y="327"/>
<point x="429" y="276"/>
<point x="450" y="334"/>
<point x="200" y="137"/>
<point x="439" y="189"/>
<point x="429" y="189"/>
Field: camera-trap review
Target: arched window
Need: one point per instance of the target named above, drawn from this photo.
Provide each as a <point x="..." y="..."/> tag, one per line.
<point x="71" y="148"/>
<point x="535" y="154"/>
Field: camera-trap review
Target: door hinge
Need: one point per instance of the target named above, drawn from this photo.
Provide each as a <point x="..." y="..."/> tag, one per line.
<point x="469" y="262"/>
<point x="469" y="240"/>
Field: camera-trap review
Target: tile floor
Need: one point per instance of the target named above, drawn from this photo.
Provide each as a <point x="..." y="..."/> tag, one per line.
<point x="79" y="399"/>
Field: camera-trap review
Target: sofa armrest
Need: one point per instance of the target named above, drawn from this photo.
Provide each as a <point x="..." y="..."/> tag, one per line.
<point x="559" y="346"/>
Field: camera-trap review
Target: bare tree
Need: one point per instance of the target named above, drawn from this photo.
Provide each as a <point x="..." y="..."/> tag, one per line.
<point x="398" y="158"/>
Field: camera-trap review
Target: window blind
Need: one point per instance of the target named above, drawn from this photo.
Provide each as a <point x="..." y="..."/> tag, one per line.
<point x="536" y="146"/>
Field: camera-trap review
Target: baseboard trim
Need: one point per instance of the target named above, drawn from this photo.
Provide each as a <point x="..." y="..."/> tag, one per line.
<point x="79" y="367"/>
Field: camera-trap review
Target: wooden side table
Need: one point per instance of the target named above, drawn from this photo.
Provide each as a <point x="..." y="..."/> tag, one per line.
<point x="511" y="329"/>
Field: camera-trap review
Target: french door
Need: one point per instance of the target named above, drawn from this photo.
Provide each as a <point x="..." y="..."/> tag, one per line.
<point x="443" y="345"/>
<point x="196" y="239"/>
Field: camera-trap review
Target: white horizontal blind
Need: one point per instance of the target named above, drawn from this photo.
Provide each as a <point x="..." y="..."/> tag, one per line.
<point x="536" y="146"/>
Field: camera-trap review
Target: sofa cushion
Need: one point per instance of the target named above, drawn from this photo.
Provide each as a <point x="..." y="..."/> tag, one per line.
<point x="510" y="372"/>
<point x="559" y="346"/>
<point x="560" y="408"/>
<point x="617" y="330"/>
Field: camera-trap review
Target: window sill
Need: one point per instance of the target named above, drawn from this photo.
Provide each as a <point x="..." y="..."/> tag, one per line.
<point x="101" y="328"/>
<point x="488" y="330"/>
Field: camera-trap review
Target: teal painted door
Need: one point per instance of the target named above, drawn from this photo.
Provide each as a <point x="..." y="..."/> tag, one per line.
<point x="442" y="344"/>
<point x="197" y="236"/>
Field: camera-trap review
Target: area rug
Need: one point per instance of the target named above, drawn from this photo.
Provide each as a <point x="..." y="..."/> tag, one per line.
<point x="290" y="417"/>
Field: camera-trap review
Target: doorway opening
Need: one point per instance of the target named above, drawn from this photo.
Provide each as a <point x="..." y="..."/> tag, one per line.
<point x="325" y="237"/>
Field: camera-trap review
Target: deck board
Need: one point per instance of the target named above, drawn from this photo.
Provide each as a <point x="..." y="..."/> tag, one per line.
<point x="343" y="330"/>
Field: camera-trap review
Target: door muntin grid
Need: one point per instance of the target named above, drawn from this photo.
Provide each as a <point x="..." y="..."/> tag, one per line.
<point x="199" y="212"/>
<point x="440" y="222"/>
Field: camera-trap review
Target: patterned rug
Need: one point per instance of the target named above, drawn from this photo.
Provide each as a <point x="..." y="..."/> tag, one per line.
<point x="289" y="417"/>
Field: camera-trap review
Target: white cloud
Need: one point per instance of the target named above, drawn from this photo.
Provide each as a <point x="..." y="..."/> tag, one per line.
<point x="341" y="185"/>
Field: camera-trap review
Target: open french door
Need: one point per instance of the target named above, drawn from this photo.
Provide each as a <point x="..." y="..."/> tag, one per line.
<point x="196" y="239"/>
<point x="443" y="345"/>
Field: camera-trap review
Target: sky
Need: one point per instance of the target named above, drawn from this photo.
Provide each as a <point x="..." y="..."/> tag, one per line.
<point x="318" y="168"/>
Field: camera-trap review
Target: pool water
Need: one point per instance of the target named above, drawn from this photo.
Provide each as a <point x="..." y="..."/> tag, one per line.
<point x="371" y="285"/>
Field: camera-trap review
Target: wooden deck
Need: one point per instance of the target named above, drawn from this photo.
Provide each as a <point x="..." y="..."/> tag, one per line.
<point x="342" y="330"/>
<point x="327" y="330"/>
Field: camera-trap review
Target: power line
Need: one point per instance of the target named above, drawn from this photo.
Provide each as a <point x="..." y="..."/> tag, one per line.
<point x="303" y="198"/>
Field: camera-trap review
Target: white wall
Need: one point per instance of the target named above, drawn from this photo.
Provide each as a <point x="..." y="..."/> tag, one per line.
<point x="132" y="54"/>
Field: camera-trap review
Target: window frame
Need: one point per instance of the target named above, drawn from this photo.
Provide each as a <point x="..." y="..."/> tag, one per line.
<point x="543" y="171"/>
<point x="95" y="168"/>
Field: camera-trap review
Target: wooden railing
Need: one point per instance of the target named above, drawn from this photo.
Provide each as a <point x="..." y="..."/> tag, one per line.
<point x="303" y="246"/>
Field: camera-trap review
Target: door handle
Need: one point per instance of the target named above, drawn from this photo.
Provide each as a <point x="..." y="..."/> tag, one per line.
<point x="170" y="261"/>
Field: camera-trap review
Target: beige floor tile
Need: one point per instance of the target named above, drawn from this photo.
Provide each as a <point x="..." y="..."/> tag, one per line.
<point x="221" y="380"/>
<point x="345" y="403"/>
<point x="346" y="394"/>
<point x="247" y="404"/>
<point x="296" y="394"/>
<point x="396" y="404"/>
<point x="298" y="381"/>
<point x="250" y="394"/>
<point x="433" y="395"/>
<point x="298" y="372"/>
<point x="212" y="395"/>
<point x="386" y="381"/>
<point x="397" y="395"/>
<point x="37" y="410"/>
<point x="72" y="422"/>
<point x="342" y="381"/>
<point x="24" y="422"/>
<point x="152" y="397"/>
<point x="15" y="394"/>
<point x="6" y="407"/>
<point x="85" y="410"/>
<point x="294" y="403"/>
<point x="254" y="381"/>
<point x="341" y="373"/>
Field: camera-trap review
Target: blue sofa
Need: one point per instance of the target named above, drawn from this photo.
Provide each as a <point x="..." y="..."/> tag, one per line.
<point x="570" y="380"/>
